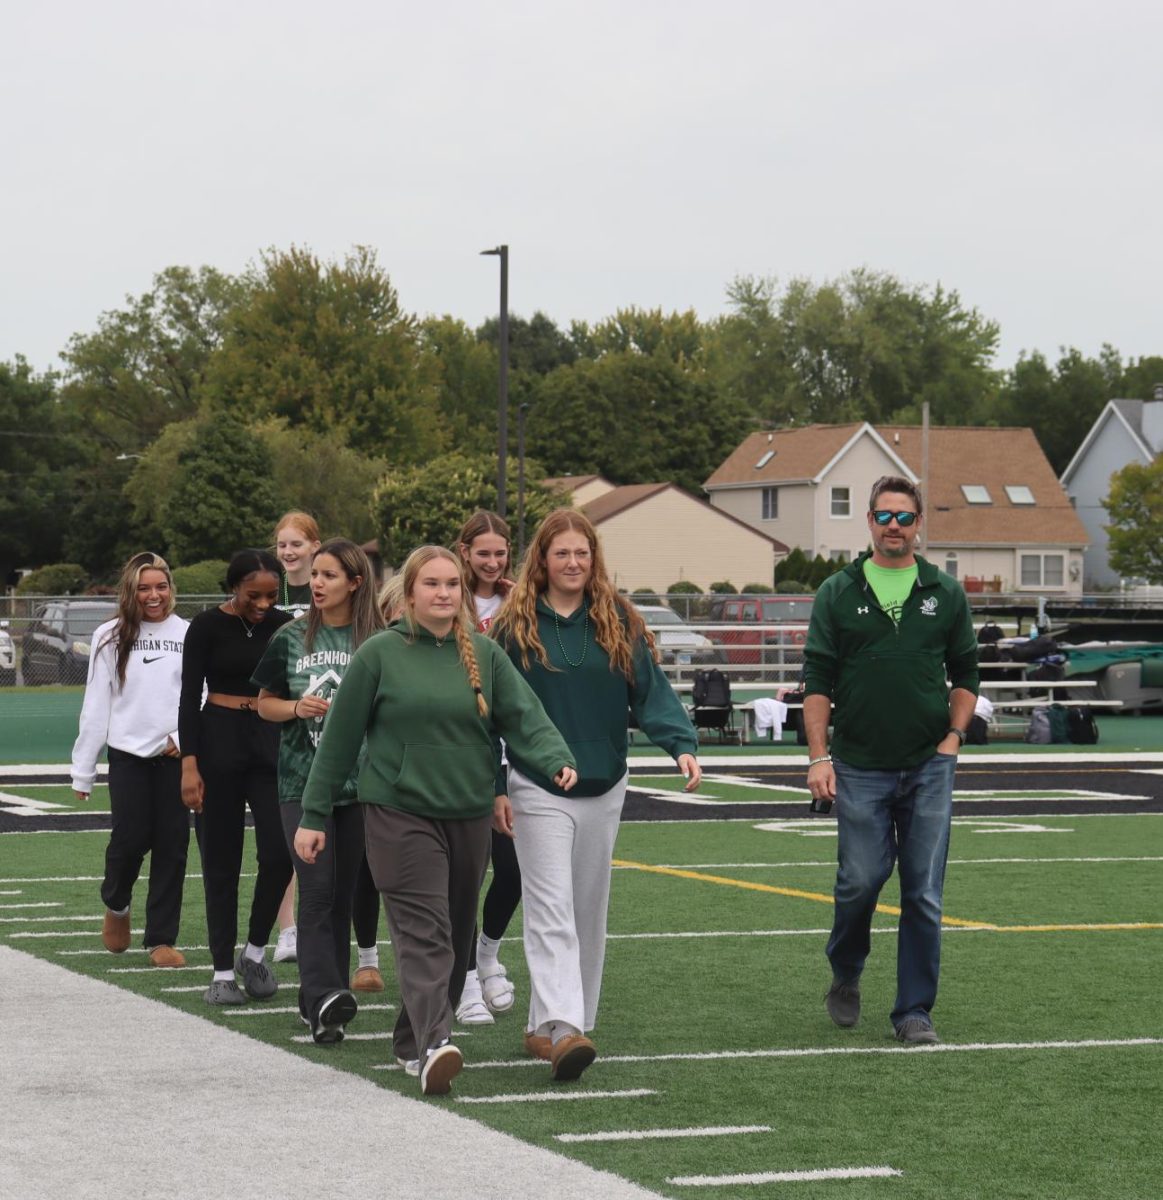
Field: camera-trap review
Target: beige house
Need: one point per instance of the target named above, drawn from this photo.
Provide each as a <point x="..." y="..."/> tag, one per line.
<point x="655" y="534"/>
<point x="997" y="517"/>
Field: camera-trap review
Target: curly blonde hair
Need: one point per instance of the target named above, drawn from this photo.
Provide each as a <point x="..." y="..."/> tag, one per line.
<point x="618" y="625"/>
<point x="463" y="623"/>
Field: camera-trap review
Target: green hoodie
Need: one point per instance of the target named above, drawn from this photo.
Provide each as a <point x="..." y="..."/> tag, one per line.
<point x="886" y="680"/>
<point x="428" y="750"/>
<point x="589" y="703"/>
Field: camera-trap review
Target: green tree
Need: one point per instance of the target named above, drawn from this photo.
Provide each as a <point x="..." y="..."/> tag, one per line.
<point x="466" y="380"/>
<point x="1135" y="505"/>
<point x="427" y="504"/>
<point x="145" y="364"/>
<point x="536" y="346"/>
<point x="327" y="347"/>
<point x="224" y="498"/>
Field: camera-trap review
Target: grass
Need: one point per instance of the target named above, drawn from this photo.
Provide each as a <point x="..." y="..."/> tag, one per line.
<point x="1018" y="1121"/>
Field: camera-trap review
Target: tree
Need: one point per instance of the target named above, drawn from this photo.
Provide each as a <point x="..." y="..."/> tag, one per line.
<point x="536" y="346"/>
<point x="327" y="347"/>
<point x="466" y="380"/>
<point x="145" y="365"/>
<point x="1135" y="505"/>
<point x="224" y="498"/>
<point x="427" y="504"/>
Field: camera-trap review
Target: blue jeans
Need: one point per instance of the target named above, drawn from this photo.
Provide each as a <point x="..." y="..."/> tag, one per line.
<point x="885" y="816"/>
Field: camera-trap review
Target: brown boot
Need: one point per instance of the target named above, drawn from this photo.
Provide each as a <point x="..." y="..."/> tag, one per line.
<point x="537" y="1046"/>
<point x="167" y="956"/>
<point x="570" y="1057"/>
<point x="367" y="979"/>
<point x="115" y="932"/>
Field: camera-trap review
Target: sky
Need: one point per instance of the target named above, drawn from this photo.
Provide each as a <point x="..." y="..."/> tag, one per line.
<point x="635" y="153"/>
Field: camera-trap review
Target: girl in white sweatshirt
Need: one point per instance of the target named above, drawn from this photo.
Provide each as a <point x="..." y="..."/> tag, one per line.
<point x="131" y="707"/>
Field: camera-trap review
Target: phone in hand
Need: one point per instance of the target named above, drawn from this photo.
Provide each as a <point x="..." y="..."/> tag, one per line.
<point x="820" y="805"/>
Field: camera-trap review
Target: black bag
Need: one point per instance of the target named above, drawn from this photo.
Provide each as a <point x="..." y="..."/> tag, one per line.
<point x="987" y="652"/>
<point x="978" y="732"/>
<point x="1081" y="727"/>
<point x="1038" y="647"/>
<point x="795" y="716"/>
<point x="711" y="689"/>
<point x="988" y="634"/>
<point x="1047" y="670"/>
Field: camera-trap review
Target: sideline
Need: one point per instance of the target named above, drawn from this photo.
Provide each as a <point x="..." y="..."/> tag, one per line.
<point x="110" y="1096"/>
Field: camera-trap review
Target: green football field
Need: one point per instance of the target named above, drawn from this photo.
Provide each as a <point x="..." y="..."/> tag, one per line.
<point x="719" y="1072"/>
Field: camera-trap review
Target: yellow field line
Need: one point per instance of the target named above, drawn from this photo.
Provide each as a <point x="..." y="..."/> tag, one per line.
<point x="890" y="910"/>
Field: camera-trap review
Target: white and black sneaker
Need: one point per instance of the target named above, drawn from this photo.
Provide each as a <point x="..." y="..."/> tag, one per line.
<point x="333" y="1014"/>
<point x="441" y="1067"/>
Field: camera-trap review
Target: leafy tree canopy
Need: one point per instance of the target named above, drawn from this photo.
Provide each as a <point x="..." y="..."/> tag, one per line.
<point x="1135" y="505"/>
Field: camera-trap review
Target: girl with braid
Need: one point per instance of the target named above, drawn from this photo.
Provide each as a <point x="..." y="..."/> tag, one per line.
<point x="431" y="697"/>
<point x="589" y="657"/>
<point x="484" y="549"/>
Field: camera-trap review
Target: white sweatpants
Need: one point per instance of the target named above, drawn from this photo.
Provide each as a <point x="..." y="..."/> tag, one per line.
<point x="564" y="847"/>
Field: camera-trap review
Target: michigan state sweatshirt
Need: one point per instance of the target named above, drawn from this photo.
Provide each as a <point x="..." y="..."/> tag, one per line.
<point x="429" y="752"/>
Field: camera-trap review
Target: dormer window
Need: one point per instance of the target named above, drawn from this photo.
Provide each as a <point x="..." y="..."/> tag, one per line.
<point x="976" y="493"/>
<point x="1018" y="493"/>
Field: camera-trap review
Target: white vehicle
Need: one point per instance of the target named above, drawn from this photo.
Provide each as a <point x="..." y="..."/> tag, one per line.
<point x="7" y="657"/>
<point x="680" y="645"/>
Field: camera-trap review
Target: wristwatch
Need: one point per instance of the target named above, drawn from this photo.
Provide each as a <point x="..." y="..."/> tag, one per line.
<point x="961" y="733"/>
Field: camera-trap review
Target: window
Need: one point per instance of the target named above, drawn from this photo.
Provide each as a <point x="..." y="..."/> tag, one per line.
<point x="765" y="459"/>
<point x="1019" y="493"/>
<point x="770" y="503"/>
<point x="841" y="502"/>
<point x="1043" y="570"/>
<point x="976" y="493"/>
<point x="951" y="563"/>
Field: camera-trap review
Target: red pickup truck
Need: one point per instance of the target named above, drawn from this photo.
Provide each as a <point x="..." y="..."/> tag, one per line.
<point x="767" y="633"/>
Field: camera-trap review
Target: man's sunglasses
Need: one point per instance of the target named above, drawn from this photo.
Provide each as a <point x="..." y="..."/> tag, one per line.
<point x="882" y="516"/>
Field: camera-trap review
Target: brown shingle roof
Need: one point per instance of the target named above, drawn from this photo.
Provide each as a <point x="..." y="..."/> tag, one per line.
<point x="567" y="483"/>
<point x="799" y="454"/>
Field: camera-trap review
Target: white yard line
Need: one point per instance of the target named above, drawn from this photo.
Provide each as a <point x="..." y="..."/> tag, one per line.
<point x="270" y="1012"/>
<point x="642" y="1135"/>
<point x="814" y="1176"/>
<point x="37" y="904"/>
<point x="64" y="933"/>
<point x="25" y="920"/>
<point x="549" y="1097"/>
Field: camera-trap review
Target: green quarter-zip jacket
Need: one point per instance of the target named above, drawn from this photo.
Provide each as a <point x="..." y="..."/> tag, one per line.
<point x="590" y="703"/>
<point x="429" y="752"/>
<point x="888" y="681"/>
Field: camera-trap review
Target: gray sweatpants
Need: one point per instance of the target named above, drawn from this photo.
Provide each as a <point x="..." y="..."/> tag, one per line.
<point x="564" y="847"/>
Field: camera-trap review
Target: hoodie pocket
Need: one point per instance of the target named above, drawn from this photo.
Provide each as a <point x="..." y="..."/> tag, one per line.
<point x="439" y="773"/>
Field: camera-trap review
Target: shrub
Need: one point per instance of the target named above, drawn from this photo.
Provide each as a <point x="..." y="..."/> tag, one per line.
<point x="723" y="587"/>
<point x="54" y="579"/>
<point x="684" y="587"/>
<point x="201" y="579"/>
<point x="755" y="589"/>
<point x="791" y="586"/>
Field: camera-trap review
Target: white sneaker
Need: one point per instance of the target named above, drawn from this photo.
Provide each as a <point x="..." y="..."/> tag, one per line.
<point x="287" y="948"/>
<point x="441" y="1066"/>
<point x="411" y="1066"/>
<point x="472" y="1009"/>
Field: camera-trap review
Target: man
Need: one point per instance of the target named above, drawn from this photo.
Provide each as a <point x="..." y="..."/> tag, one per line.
<point x="884" y="631"/>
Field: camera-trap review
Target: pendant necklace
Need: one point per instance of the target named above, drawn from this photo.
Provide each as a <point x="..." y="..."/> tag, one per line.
<point x="249" y="628"/>
<point x="585" y="638"/>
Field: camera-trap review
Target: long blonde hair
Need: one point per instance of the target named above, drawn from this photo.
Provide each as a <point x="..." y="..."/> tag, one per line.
<point x="480" y="522"/>
<point x="129" y="618"/>
<point x="463" y="623"/>
<point x="618" y="625"/>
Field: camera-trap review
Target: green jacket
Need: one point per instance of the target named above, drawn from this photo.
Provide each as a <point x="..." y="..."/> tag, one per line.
<point x="887" y="681"/>
<point x="591" y="704"/>
<point x="428" y="750"/>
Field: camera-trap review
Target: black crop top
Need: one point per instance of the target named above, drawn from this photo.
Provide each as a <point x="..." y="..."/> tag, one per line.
<point x="219" y="654"/>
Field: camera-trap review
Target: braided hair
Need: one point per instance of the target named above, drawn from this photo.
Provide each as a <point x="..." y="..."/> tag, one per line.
<point x="463" y="623"/>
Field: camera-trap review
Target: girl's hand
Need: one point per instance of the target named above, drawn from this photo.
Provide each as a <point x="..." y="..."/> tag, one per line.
<point x="309" y="843"/>
<point x="171" y="750"/>
<point x="309" y="707"/>
<point x="503" y="816"/>
<point x="193" y="789"/>
<point x="689" y="766"/>
<point x="565" y="778"/>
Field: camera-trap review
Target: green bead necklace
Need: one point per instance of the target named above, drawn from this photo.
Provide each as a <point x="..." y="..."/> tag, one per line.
<point x="585" y="639"/>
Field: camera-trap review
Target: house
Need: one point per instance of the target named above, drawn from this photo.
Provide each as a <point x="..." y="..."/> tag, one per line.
<point x="580" y="488"/>
<point x="997" y="517"/>
<point x="656" y="534"/>
<point x="1127" y="431"/>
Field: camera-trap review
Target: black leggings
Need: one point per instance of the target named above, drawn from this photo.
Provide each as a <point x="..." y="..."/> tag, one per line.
<point x="504" y="892"/>
<point x="365" y="909"/>
<point x="238" y="769"/>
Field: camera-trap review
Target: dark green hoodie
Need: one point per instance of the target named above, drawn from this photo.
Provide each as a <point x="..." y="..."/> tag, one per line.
<point x="590" y="704"/>
<point x="428" y="750"/>
<point x="887" y="681"/>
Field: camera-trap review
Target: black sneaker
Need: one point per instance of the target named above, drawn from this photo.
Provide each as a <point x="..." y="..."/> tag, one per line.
<point x="843" y="1003"/>
<point x="334" y="1013"/>
<point x="917" y="1031"/>
<point x="257" y="978"/>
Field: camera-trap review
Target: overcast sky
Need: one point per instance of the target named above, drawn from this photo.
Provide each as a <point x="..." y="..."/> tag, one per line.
<point x="630" y="153"/>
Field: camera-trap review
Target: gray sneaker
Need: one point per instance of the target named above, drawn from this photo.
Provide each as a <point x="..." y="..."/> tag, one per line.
<point x="843" y="1003"/>
<point x="224" y="991"/>
<point x="917" y="1031"/>
<point x="258" y="979"/>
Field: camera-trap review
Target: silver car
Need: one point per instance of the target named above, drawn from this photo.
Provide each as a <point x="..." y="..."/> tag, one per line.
<point x="7" y="657"/>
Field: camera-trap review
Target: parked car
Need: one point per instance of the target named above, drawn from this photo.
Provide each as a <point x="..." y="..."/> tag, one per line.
<point x="778" y="652"/>
<point x="679" y="645"/>
<point x="7" y="657"/>
<point x="56" y="645"/>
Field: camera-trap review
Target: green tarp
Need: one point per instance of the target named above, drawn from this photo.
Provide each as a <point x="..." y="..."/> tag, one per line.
<point x="1090" y="662"/>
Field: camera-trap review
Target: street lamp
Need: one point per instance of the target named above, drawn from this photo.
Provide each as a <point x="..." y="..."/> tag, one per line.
<point x="502" y="252"/>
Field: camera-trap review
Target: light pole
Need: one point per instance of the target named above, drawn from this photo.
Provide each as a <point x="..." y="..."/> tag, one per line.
<point x="521" y="411"/>
<point x="502" y="252"/>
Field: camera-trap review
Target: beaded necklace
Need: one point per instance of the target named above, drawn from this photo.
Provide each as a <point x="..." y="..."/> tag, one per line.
<point x="585" y="638"/>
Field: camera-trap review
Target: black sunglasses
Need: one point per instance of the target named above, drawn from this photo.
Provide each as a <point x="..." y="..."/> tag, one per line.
<point x="882" y="516"/>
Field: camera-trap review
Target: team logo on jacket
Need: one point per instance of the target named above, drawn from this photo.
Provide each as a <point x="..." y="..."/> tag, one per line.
<point x="929" y="606"/>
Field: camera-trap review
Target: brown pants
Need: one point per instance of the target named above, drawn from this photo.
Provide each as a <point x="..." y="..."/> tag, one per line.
<point x="429" y="873"/>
